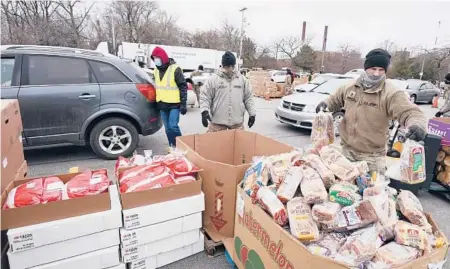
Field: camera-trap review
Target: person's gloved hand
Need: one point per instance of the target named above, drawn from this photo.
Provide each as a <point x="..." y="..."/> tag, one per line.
<point x="183" y="109"/>
<point x="321" y="106"/>
<point x="205" y="118"/>
<point x="438" y="114"/>
<point x="251" y="121"/>
<point x="416" y="133"/>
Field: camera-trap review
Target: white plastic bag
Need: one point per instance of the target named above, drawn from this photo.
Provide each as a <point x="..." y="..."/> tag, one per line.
<point x="412" y="164"/>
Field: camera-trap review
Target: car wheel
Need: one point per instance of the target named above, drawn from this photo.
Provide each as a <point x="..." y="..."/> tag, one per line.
<point x="114" y="137"/>
<point x="337" y="119"/>
<point x="413" y="98"/>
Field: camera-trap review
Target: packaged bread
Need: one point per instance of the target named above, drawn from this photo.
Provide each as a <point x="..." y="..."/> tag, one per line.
<point x="279" y="165"/>
<point x="317" y="249"/>
<point x="344" y="194"/>
<point x="290" y="184"/>
<point x="325" y="213"/>
<point x="338" y="164"/>
<point x="353" y="217"/>
<point x="412" y="162"/>
<point x="270" y="202"/>
<point x="327" y="176"/>
<point x="412" y="209"/>
<point x="301" y="222"/>
<point x="395" y="255"/>
<point x="322" y="133"/>
<point x="257" y="171"/>
<point x="361" y="245"/>
<point x="312" y="186"/>
<point x="411" y="235"/>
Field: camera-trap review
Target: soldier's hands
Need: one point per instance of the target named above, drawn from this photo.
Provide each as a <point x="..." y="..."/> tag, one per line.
<point x="321" y="106"/>
<point x="438" y="114"/>
<point x="183" y="109"/>
<point x="251" y="121"/>
<point x="205" y="118"/>
<point x="416" y="133"/>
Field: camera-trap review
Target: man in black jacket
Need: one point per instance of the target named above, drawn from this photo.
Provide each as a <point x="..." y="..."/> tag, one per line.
<point x="171" y="93"/>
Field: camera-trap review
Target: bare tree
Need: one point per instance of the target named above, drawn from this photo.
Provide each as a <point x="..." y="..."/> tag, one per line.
<point x="75" y="18"/>
<point x="388" y="45"/>
<point x="230" y="37"/>
<point x="290" y="46"/>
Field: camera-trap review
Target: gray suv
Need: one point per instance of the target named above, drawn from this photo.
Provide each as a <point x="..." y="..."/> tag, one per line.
<point x="79" y="97"/>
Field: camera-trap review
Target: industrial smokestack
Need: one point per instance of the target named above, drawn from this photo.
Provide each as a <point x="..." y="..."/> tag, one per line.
<point x="304" y="31"/>
<point x="325" y="36"/>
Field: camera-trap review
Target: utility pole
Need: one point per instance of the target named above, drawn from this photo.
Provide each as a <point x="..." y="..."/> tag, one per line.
<point x="324" y="48"/>
<point x="242" y="32"/>
<point x="113" y="35"/>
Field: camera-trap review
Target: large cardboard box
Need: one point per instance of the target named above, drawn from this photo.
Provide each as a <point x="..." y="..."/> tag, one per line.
<point x="440" y="127"/>
<point x="261" y="243"/>
<point x="33" y="236"/>
<point x="12" y="162"/>
<point x="11" y="126"/>
<point x="30" y="215"/>
<point x="63" y="250"/>
<point x="224" y="158"/>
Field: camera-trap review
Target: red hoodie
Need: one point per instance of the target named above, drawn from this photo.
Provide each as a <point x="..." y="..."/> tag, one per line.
<point x="159" y="52"/>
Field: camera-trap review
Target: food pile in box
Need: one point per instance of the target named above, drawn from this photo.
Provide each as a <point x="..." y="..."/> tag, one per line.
<point x="51" y="189"/>
<point x="146" y="172"/>
<point x="340" y="209"/>
<point x="443" y="166"/>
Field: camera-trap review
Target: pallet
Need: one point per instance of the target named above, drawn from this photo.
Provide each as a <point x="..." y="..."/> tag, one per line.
<point x="213" y="248"/>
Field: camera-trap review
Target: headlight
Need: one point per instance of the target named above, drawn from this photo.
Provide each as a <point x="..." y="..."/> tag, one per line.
<point x="309" y="109"/>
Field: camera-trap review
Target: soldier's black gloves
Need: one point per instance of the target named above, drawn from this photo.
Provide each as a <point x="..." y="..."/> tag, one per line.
<point x="438" y="114"/>
<point x="251" y="121"/>
<point x="416" y="133"/>
<point x="321" y="106"/>
<point x="183" y="109"/>
<point x="205" y="118"/>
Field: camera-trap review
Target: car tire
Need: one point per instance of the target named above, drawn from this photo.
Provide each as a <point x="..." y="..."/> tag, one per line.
<point x="121" y="133"/>
<point x="414" y="99"/>
<point x="338" y="115"/>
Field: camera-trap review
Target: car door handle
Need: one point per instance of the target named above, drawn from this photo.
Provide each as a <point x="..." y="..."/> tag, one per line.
<point x="86" y="96"/>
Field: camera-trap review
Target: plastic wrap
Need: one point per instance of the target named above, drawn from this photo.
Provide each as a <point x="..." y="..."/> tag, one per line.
<point x="338" y="164"/>
<point x="312" y="186"/>
<point x="279" y="165"/>
<point x="151" y="178"/>
<point x="88" y="183"/>
<point x="360" y="247"/>
<point x="353" y="217"/>
<point x="289" y="186"/>
<point x="180" y="166"/>
<point x="256" y="176"/>
<point x="408" y="234"/>
<point x="302" y="226"/>
<point x="396" y="255"/>
<point x="363" y="181"/>
<point x="269" y="201"/>
<point x="184" y="179"/>
<point x="412" y="162"/>
<point x="322" y="133"/>
<point x="411" y="208"/>
<point x="344" y="194"/>
<point x="327" y="176"/>
<point x="137" y="159"/>
<point x="325" y="213"/>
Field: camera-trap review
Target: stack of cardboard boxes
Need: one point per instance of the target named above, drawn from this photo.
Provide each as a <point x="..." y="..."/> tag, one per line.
<point x="162" y="225"/>
<point x="263" y="86"/>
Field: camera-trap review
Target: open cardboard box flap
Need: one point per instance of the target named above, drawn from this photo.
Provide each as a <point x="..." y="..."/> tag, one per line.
<point x="29" y="215"/>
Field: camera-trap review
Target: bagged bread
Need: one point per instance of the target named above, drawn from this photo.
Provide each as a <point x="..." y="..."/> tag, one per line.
<point x="301" y="223"/>
<point x="344" y="194"/>
<point x="327" y="176"/>
<point x="338" y="164"/>
<point x="279" y="165"/>
<point x="353" y="217"/>
<point x="317" y="249"/>
<point x="363" y="182"/>
<point x="411" y="235"/>
<point x="396" y="255"/>
<point x="256" y="176"/>
<point x="411" y="208"/>
<point x="269" y="201"/>
<point x="87" y="183"/>
<point x="289" y="186"/>
<point x="322" y="133"/>
<point x="361" y="245"/>
<point x="312" y="186"/>
<point x="412" y="162"/>
<point x="326" y="212"/>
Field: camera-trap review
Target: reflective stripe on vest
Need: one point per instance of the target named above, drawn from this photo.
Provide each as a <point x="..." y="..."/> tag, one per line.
<point x="166" y="88"/>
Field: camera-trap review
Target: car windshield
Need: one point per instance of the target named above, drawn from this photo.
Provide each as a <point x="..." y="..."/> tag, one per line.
<point x="414" y="84"/>
<point x="330" y="86"/>
<point x="321" y="79"/>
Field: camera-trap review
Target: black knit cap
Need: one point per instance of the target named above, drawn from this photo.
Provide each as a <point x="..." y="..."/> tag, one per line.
<point x="377" y="58"/>
<point x="228" y="59"/>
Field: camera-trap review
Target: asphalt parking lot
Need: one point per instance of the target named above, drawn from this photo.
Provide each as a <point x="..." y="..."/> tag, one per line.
<point x="60" y="160"/>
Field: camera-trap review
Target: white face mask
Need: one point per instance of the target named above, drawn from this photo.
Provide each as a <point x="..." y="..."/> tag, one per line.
<point x="157" y="61"/>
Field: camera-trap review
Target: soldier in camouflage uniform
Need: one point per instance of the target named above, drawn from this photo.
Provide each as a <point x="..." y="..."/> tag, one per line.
<point x="197" y="87"/>
<point x="446" y="107"/>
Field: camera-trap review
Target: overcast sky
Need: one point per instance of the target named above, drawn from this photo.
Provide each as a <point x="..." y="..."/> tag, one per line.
<point x="363" y="24"/>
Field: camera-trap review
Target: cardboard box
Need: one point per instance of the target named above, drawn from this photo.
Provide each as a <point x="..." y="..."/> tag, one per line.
<point x="153" y="196"/>
<point x="224" y="158"/>
<point x="156" y="213"/>
<point x="63" y="250"/>
<point x="160" y="246"/>
<point x="440" y="127"/>
<point x="104" y="258"/>
<point x="120" y="266"/>
<point x="33" y="236"/>
<point x="25" y="216"/>
<point x="267" y="245"/>
<point x="170" y="256"/>
<point x="22" y="172"/>
<point x="11" y="126"/>
<point x="160" y="231"/>
<point x="11" y="164"/>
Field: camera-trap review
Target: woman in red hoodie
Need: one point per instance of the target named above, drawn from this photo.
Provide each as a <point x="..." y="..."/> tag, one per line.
<point x="171" y="93"/>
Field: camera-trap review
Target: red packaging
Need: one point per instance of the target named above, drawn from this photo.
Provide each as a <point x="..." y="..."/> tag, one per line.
<point x="87" y="183"/>
<point x="53" y="190"/>
<point x="121" y="162"/>
<point x="184" y="179"/>
<point x="180" y="166"/>
<point x="151" y="178"/>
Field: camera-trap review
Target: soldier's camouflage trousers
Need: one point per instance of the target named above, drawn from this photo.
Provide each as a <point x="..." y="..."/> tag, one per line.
<point x="375" y="161"/>
<point x="197" y="94"/>
<point x="219" y="127"/>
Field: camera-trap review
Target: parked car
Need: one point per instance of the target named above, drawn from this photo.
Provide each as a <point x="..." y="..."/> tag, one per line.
<point x="300" y="109"/>
<point x="79" y="97"/>
<point x="318" y="80"/>
<point x="422" y="91"/>
<point x="279" y="76"/>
